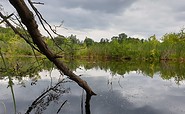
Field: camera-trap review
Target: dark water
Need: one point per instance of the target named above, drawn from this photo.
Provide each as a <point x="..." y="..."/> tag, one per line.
<point x="121" y="88"/>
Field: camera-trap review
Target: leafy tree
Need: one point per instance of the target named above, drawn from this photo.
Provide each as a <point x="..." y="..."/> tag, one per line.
<point x="122" y="37"/>
<point x="88" y="41"/>
<point x="103" y="41"/>
<point x="59" y="40"/>
<point x="73" y="39"/>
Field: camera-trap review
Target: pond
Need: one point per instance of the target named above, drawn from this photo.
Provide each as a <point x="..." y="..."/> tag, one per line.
<point x="125" y="87"/>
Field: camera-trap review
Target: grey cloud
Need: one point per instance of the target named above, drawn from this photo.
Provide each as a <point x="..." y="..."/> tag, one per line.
<point x="138" y="17"/>
<point x="83" y="15"/>
<point x="176" y="6"/>
<point x="106" y="6"/>
<point x="156" y="17"/>
<point x="180" y="17"/>
<point x="77" y="19"/>
<point x="94" y="14"/>
<point x="6" y="7"/>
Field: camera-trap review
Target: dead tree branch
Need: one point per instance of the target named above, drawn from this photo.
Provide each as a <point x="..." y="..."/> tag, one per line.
<point x="38" y="3"/>
<point x="43" y="21"/>
<point x="5" y="18"/>
<point x="28" y="20"/>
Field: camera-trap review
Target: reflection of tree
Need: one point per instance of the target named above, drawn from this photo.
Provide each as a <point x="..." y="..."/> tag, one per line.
<point x="173" y="70"/>
<point x="87" y="104"/>
<point x="167" y="70"/>
<point x="52" y="94"/>
<point x="10" y="83"/>
<point x="21" y="67"/>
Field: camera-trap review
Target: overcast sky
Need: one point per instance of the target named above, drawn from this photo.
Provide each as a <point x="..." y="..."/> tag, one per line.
<point x="106" y="18"/>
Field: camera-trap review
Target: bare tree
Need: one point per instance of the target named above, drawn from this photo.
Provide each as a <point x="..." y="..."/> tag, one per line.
<point x="28" y="19"/>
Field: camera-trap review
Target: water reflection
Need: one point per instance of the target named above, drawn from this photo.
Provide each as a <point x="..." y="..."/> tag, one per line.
<point x="166" y="69"/>
<point x="51" y="94"/>
<point x="122" y="88"/>
<point x="29" y="67"/>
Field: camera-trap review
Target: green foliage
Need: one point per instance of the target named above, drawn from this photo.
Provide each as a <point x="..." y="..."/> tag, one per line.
<point x="13" y="45"/>
<point x="121" y="47"/>
<point x="88" y="42"/>
<point x="172" y="47"/>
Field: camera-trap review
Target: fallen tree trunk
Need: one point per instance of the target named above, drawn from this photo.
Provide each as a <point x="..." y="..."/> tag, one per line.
<point x="28" y="20"/>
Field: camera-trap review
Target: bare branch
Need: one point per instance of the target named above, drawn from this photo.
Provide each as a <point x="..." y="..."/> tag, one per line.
<point x="61" y="106"/>
<point x="6" y="18"/>
<point x="28" y="20"/>
<point x="42" y="21"/>
<point x="58" y="26"/>
<point x="38" y="3"/>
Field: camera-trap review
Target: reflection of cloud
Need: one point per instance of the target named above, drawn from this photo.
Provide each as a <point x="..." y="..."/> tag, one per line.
<point x="94" y="72"/>
<point x="139" y="94"/>
<point x="115" y="103"/>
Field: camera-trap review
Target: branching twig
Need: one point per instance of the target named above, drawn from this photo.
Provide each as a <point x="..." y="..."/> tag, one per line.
<point x="43" y="95"/>
<point x="42" y="21"/>
<point x="38" y="3"/>
<point x="5" y="18"/>
<point x="55" y="30"/>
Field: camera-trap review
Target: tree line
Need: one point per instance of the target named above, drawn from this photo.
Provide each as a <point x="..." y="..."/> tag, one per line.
<point x="122" y="47"/>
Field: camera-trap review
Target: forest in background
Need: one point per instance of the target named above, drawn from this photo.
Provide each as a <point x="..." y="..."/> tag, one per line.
<point x="122" y="47"/>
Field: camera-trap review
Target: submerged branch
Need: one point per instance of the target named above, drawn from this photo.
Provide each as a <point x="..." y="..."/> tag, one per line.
<point x="61" y="106"/>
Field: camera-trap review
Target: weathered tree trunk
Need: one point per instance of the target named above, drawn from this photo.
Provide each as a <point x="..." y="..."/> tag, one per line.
<point x="28" y="20"/>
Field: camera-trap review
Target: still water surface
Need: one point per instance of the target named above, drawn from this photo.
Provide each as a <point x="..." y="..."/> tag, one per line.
<point x="133" y="92"/>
